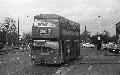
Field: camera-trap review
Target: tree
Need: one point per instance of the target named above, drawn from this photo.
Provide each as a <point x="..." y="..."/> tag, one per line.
<point x="94" y="38"/>
<point x="104" y="36"/>
<point x="12" y="38"/>
<point x="11" y="30"/>
<point x="86" y="33"/>
<point x="27" y="37"/>
<point x="85" y="36"/>
<point x="9" y="24"/>
<point x="106" y="33"/>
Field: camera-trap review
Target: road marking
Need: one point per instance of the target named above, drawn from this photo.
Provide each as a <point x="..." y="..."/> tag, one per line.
<point x="59" y="70"/>
<point x="68" y="69"/>
<point x="90" y="67"/>
<point x="63" y="70"/>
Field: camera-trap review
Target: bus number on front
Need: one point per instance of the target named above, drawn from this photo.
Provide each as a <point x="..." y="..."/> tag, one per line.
<point x="43" y="31"/>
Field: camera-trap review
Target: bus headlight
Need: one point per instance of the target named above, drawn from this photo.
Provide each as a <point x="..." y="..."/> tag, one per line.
<point x="55" y="61"/>
<point x="33" y="56"/>
<point x="119" y="51"/>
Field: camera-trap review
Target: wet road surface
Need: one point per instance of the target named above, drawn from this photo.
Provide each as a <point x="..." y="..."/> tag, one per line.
<point x="93" y="62"/>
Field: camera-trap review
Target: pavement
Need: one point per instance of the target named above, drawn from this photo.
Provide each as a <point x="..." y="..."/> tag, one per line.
<point x="11" y="63"/>
<point x="9" y="49"/>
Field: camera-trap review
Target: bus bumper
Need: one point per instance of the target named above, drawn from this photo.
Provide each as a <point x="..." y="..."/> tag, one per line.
<point x="46" y="60"/>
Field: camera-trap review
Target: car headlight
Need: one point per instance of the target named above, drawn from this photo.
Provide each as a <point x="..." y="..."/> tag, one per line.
<point x="113" y="50"/>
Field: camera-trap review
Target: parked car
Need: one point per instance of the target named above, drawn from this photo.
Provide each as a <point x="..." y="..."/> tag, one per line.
<point x="114" y="50"/>
<point x="109" y="46"/>
<point x="106" y="46"/>
<point x="88" y="45"/>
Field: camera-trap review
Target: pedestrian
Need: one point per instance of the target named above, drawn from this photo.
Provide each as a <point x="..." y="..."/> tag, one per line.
<point x="23" y="46"/>
<point x="28" y="46"/>
<point x="12" y="45"/>
<point x="99" y="43"/>
<point x="99" y="46"/>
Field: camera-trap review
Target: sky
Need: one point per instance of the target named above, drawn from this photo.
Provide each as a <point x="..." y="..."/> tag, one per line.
<point x="85" y="12"/>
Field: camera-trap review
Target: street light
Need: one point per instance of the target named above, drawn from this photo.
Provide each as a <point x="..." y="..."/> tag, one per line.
<point x="7" y="25"/>
<point x="101" y="26"/>
<point x="18" y="32"/>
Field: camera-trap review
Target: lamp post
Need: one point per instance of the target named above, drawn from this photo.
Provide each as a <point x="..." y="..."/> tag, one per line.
<point x="18" y="32"/>
<point x="6" y="40"/>
<point x="101" y="26"/>
<point x="7" y="26"/>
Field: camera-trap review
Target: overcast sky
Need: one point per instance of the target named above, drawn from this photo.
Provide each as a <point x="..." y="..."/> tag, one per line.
<point x="85" y="12"/>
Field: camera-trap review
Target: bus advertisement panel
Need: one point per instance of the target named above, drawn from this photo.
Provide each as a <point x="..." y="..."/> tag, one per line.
<point x="46" y="22"/>
<point x="45" y="28"/>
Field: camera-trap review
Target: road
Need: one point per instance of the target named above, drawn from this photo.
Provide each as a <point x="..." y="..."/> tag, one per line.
<point x="14" y="61"/>
<point x="93" y="62"/>
<point x="19" y="63"/>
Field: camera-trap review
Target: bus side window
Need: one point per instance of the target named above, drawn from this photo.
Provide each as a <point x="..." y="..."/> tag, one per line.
<point x="73" y="44"/>
<point x="76" y="43"/>
<point x="67" y="43"/>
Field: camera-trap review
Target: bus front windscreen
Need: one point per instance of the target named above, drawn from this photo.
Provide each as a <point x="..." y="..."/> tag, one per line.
<point x="46" y="44"/>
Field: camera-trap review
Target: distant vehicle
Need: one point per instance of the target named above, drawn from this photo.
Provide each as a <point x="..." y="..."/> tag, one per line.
<point x="109" y="46"/>
<point x="112" y="47"/>
<point x="105" y="46"/>
<point x="88" y="45"/>
<point x="55" y="39"/>
<point x="114" y="50"/>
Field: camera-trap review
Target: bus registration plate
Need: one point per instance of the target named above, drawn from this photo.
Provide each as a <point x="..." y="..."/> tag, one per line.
<point x="44" y="53"/>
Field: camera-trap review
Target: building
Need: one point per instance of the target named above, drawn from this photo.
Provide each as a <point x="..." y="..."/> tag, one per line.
<point x="118" y="31"/>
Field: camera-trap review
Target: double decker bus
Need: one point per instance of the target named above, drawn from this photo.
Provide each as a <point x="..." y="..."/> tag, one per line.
<point x="55" y="39"/>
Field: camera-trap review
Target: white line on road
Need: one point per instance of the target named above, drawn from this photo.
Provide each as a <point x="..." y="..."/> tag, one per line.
<point x="68" y="70"/>
<point x="64" y="70"/>
<point x="90" y="67"/>
<point x="59" y="70"/>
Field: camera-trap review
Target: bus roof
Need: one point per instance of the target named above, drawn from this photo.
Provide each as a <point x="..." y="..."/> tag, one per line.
<point x="42" y="16"/>
<point x="54" y="16"/>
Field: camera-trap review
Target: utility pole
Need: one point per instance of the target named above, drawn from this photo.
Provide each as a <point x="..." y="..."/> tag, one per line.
<point x="85" y="30"/>
<point x="6" y="40"/>
<point x="79" y="42"/>
<point x="117" y="31"/>
<point x="7" y="26"/>
<point x="18" y="32"/>
<point x="85" y="34"/>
